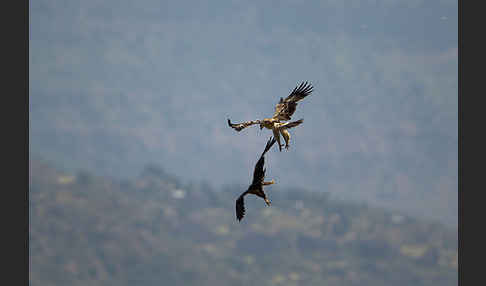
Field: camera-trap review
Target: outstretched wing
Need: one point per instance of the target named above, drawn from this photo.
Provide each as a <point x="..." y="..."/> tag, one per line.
<point x="240" y="207"/>
<point x="288" y="125"/>
<point x="240" y="126"/>
<point x="259" y="172"/>
<point x="286" y="107"/>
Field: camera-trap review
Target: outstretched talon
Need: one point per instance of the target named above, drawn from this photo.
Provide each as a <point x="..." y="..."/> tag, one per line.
<point x="269" y="183"/>
<point x="267" y="201"/>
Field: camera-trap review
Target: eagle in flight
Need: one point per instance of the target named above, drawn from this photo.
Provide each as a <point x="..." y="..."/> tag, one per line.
<point x="283" y="112"/>
<point x="256" y="186"/>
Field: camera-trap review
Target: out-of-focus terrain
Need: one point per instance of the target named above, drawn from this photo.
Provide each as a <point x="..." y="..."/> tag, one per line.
<point x="115" y="85"/>
<point x="154" y="230"/>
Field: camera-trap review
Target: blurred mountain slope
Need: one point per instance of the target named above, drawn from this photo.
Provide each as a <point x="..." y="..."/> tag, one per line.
<point x="153" y="230"/>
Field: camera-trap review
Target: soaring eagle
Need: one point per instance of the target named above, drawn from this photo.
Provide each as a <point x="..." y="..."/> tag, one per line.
<point x="256" y="186"/>
<point x="283" y="112"/>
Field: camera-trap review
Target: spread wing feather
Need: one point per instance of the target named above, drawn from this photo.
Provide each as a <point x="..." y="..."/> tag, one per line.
<point x="240" y="207"/>
<point x="286" y="107"/>
<point x="292" y="124"/>
<point x="259" y="172"/>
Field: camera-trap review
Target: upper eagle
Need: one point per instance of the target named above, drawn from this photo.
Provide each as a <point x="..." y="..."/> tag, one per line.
<point x="284" y="110"/>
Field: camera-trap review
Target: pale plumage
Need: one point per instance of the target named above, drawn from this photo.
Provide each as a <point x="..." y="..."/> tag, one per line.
<point x="284" y="110"/>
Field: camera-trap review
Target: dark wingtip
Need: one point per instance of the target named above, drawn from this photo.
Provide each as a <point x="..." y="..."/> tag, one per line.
<point x="240" y="208"/>
<point x="307" y="88"/>
<point x="310" y="88"/>
<point x="304" y="87"/>
<point x="270" y="143"/>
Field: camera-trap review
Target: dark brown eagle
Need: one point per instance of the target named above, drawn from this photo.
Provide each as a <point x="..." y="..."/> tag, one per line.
<point x="284" y="110"/>
<point x="256" y="187"/>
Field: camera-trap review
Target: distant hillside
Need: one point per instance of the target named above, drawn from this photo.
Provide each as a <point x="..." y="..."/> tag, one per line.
<point x="116" y="84"/>
<point x="89" y="230"/>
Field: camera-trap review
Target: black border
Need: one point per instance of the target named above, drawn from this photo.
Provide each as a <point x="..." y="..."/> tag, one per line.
<point x="23" y="35"/>
<point x="469" y="23"/>
<point x="15" y="115"/>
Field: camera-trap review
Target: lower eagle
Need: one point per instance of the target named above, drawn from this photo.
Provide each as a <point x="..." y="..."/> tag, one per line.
<point x="256" y="187"/>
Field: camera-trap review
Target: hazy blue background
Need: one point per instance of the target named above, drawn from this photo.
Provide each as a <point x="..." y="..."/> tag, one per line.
<point x="115" y="85"/>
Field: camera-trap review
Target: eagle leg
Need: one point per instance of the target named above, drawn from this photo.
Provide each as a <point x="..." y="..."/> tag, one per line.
<point x="276" y="135"/>
<point x="269" y="183"/>
<point x="267" y="201"/>
<point x="286" y="135"/>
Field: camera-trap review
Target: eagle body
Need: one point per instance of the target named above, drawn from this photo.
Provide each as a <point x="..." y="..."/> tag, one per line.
<point x="256" y="187"/>
<point x="268" y="123"/>
<point x="284" y="110"/>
